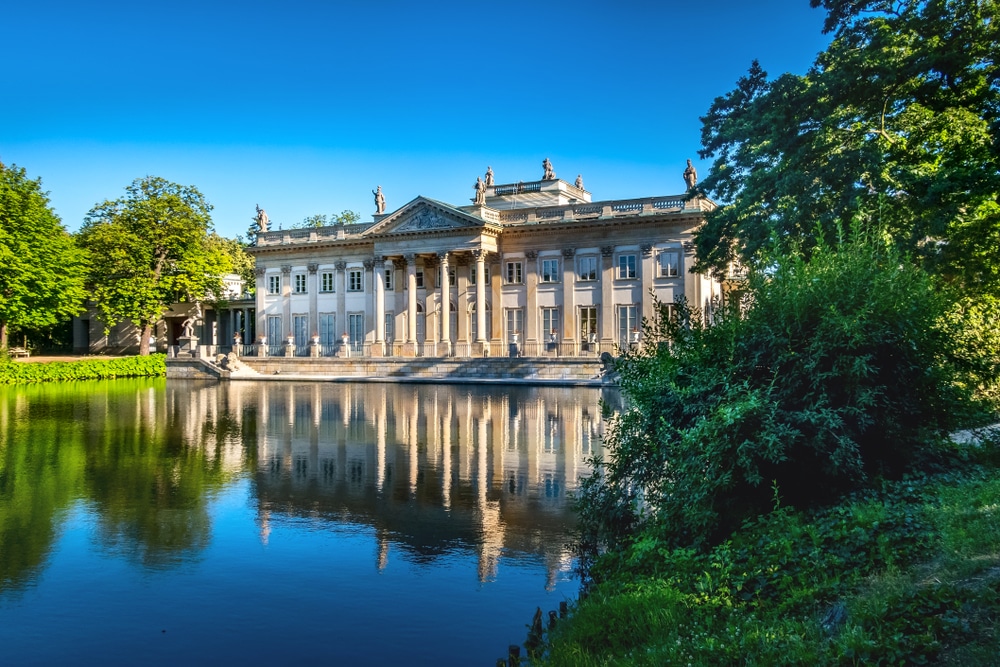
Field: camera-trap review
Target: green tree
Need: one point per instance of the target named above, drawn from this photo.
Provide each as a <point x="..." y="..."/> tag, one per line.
<point x="151" y="248"/>
<point x="897" y="122"/>
<point x="42" y="270"/>
<point x="242" y="262"/>
<point x="345" y="217"/>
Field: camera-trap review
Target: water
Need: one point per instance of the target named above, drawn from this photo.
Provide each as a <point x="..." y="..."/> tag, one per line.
<point x="164" y="523"/>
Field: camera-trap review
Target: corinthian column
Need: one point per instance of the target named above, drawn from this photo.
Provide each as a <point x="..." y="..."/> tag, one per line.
<point x="445" y="305"/>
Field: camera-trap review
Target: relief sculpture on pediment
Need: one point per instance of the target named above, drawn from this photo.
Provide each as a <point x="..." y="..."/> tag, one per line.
<point x="427" y="220"/>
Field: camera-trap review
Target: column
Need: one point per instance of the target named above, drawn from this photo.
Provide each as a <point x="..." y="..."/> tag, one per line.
<point x="570" y="339"/>
<point x="534" y="345"/>
<point x="369" y="279"/>
<point x="379" y="283"/>
<point x="411" y="303"/>
<point x="463" y="302"/>
<point x="646" y="273"/>
<point x="341" y="288"/>
<point x="606" y="325"/>
<point x="496" y="285"/>
<point x="445" y="291"/>
<point x="313" y="287"/>
<point x="481" y="333"/>
<point x="261" y="318"/>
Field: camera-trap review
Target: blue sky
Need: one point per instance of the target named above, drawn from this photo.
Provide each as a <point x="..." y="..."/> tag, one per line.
<point x="304" y="107"/>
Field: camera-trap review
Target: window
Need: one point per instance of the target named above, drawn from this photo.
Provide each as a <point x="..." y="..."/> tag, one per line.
<point x="515" y="323"/>
<point x="626" y="267"/>
<point x="326" y="281"/>
<point x="390" y="327"/>
<point x="550" y="270"/>
<point x="390" y="279"/>
<point x="670" y="264"/>
<point x="355" y="282"/>
<point x="550" y="323"/>
<point x="628" y="325"/>
<point x="588" y="324"/>
<point x="327" y="328"/>
<point x="274" y="329"/>
<point x="356" y="328"/>
<point x="300" y="325"/>
<point x="472" y="274"/>
<point x="587" y="268"/>
<point x="420" y="279"/>
<point x="514" y="273"/>
<point x="300" y="283"/>
<point x="274" y="284"/>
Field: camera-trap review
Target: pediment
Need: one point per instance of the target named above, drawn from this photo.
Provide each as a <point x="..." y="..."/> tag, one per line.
<point x="424" y="215"/>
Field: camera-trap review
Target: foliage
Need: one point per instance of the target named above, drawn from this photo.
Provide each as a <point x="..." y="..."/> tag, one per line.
<point x="345" y="217"/>
<point x="903" y="574"/>
<point x="840" y="370"/>
<point x="897" y="122"/>
<point x="16" y="372"/>
<point x="150" y="249"/>
<point x="240" y="260"/>
<point x="41" y="268"/>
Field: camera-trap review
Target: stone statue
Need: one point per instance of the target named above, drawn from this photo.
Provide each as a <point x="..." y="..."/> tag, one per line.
<point x="229" y="362"/>
<point x="579" y="181"/>
<point x="188" y="325"/>
<point x="379" y="201"/>
<point x="480" y="192"/>
<point x="262" y="219"/>
<point x="549" y="174"/>
<point x="489" y="177"/>
<point x="690" y="175"/>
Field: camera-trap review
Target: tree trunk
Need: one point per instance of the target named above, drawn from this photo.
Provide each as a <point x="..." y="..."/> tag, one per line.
<point x="146" y="332"/>
<point x="3" y="334"/>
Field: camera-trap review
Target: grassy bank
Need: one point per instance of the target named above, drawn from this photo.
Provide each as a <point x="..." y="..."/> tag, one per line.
<point x="12" y="372"/>
<point x="905" y="574"/>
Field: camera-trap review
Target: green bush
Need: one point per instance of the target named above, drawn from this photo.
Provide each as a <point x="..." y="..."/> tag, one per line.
<point x="836" y="372"/>
<point x="12" y="372"/>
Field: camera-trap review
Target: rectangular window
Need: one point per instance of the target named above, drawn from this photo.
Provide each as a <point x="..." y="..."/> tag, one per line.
<point x="300" y="283"/>
<point x="628" y="325"/>
<point x="300" y="324"/>
<point x="420" y="279"/>
<point x="326" y="281"/>
<point x="274" y="329"/>
<point x="626" y="267"/>
<point x="390" y="327"/>
<point x="550" y="323"/>
<point x="274" y="284"/>
<point x="327" y="328"/>
<point x="515" y="324"/>
<point x="587" y="268"/>
<point x="514" y="273"/>
<point x="550" y="270"/>
<point x="670" y="264"/>
<point x="355" y="282"/>
<point x="588" y="324"/>
<point x="390" y="279"/>
<point x="356" y="328"/>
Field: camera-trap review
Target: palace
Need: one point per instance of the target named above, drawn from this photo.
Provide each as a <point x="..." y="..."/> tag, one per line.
<point x="532" y="268"/>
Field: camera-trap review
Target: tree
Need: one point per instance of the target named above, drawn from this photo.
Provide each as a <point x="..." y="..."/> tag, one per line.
<point x="345" y="217"/>
<point x="42" y="270"/>
<point x="241" y="261"/>
<point x="150" y="249"/>
<point x="897" y="122"/>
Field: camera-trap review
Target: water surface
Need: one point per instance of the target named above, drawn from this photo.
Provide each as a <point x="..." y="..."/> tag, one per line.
<point x="156" y="523"/>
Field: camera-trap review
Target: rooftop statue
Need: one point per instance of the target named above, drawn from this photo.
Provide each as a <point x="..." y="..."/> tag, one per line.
<point x="549" y="175"/>
<point x="379" y="201"/>
<point x="690" y="175"/>
<point x="262" y="219"/>
<point x="489" y="177"/>
<point x="480" y="192"/>
<point x="579" y="181"/>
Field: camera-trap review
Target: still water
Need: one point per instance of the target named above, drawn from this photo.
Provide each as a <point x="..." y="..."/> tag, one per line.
<point x="165" y="523"/>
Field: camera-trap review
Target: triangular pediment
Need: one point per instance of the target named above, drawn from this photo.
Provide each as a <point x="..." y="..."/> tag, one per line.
<point x="425" y="215"/>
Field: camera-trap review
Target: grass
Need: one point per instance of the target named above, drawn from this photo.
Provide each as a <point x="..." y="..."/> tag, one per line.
<point x="905" y="574"/>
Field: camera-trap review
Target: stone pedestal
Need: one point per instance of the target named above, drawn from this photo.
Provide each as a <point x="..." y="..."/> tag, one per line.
<point x="261" y="349"/>
<point x="289" y="349"/>
<point x="187" y="346"/>
<point x="344" y="350"/>
<point x="443" y="348"/>
<point x="314" y="348"/>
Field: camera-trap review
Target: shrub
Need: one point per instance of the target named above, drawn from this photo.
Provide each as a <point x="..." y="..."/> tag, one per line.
<point x="837" y="371"/>
<point x="153" y="365"/>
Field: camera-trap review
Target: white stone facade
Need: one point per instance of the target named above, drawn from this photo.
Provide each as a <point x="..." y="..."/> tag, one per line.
<point x="538" y="270"/>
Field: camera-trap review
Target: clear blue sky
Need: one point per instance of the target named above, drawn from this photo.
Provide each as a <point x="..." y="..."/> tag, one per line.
<point x="304" y="107"/>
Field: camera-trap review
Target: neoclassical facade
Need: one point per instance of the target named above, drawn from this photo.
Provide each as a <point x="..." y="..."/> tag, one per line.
<point x="534" y="268"/>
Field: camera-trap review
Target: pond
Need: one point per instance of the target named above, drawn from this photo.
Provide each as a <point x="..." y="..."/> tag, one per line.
<point x="161" y="523"/>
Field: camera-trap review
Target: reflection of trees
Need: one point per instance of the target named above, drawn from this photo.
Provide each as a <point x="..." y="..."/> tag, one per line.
<point x="115" y="446"/>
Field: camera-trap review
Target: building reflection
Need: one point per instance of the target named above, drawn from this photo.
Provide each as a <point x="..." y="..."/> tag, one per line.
<point x="431" y="469"/>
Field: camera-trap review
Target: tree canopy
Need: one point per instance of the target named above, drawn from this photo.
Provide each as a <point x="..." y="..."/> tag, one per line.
<point x="151" y="248"/>
<point x="897" y="123"/>
<point x="41" y="269"/>
<point x="345" y="217"/>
